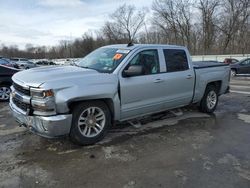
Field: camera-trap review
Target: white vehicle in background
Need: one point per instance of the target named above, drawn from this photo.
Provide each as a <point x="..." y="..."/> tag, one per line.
<point x="23" y="63"/>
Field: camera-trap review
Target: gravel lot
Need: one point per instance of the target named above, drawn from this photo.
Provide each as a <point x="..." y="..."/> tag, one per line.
<point x="188" y="150"/>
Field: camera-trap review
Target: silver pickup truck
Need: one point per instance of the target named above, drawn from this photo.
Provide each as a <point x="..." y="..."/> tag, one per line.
<point x="112" y="84"/>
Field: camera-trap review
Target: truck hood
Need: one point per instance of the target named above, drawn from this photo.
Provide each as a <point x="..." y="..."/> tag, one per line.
<point x="37" y="76"/>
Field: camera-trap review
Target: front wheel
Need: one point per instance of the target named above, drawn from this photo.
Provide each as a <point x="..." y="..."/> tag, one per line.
<point x="210" y="100"/>
<point x="90" y="123"/>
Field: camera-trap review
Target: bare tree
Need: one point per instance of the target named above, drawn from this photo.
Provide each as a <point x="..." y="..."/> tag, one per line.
<point x="125" y="23"/>
<point x="113" y="33"/>
<point x="208" y="12"/>
<point x="204" y="26"/>
<point x="174" y="18"/>
<point x="243" y="38"/>
<point x="233" y="19"/>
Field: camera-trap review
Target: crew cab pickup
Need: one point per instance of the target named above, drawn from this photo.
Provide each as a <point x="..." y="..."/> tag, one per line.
<point x="112" y="84"/>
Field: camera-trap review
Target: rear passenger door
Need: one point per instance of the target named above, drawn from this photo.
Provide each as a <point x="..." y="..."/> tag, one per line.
<point x="179" y="78"/>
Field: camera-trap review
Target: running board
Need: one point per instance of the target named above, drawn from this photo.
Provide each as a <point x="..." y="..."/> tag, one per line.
<point x="135" y="123"/>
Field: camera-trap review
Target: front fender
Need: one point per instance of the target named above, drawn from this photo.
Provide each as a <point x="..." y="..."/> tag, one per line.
<point x="67" y="96"/>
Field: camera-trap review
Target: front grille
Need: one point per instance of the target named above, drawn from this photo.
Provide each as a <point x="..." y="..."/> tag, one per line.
<point x="20" y="104"/>
<point x="21" y="89"/>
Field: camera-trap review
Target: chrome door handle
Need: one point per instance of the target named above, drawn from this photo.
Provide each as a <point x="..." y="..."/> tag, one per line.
<point x="158" y="81"/>
<point x="189" y="77"/>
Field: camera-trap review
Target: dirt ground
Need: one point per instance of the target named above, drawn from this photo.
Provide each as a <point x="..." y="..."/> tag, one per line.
<point x="188" y="149"/>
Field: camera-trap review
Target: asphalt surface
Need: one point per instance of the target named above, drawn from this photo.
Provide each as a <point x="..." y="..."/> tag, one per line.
<point x="188" y="149"/>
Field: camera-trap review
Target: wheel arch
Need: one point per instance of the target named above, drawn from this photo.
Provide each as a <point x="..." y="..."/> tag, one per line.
<point x="108" y="101"/>
<point x="216" y="84"/>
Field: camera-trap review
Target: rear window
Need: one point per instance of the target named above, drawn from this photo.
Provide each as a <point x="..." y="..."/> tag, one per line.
<point x="176" y="60"/>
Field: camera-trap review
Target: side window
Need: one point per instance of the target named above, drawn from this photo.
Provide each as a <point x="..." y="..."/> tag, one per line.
<point x="234" y="61"/>
<point x="149" y="61"/>
<point x="246" y="62"/>
<point x="176" y="60"/>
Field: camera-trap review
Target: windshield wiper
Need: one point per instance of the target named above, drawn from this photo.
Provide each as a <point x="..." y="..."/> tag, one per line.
<point x="74" y="64"/>
<point x="86" y="67"/>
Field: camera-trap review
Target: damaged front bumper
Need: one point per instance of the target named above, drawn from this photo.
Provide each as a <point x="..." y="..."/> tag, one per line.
<point x="45" y="126"/>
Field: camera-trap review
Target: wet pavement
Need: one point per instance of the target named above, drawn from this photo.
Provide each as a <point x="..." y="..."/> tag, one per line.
<point x="188" y="149"/>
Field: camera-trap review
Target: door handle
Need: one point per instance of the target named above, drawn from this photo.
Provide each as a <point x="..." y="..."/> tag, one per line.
<point x="158" y="80"/>
<point x="189" y="76"/>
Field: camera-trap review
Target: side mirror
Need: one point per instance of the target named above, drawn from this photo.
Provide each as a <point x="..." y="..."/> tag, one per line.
<point x="133" y="70"/>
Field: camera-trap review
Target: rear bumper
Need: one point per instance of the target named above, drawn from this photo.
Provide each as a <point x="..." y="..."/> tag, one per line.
<point x="50" y="127"/>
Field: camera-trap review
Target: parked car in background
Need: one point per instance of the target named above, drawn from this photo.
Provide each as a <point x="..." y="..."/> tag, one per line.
<point x="242" y="67"/>
<point x="113" y="83"/>
<point x="23" y="63"/>
<point x="8" y="63"/>
<point x="5" y="81"/>
<point x="44" y="63"/>
<point x="230" y="61"/>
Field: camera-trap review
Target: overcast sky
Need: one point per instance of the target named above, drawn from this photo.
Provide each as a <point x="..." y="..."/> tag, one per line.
<point x="46" y="22"/>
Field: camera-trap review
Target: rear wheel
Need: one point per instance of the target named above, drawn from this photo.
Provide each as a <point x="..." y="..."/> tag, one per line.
<point x="210" y="100"/>
<point x="90" y="123"/>
<point x="4" y="92"/>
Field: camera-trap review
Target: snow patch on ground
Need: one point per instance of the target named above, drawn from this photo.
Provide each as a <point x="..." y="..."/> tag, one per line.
<point x="232" y="160"/>
<point x="15" y="130"/>
<point x="244" y="117"/>
<point x="118" y="154"/>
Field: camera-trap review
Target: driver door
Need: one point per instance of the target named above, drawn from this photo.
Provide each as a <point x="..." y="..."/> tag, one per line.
<point x="144" y="93"/>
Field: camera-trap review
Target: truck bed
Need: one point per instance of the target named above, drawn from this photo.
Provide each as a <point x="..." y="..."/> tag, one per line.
<point x="218" y="72"/>
<point x="207" y="64"/>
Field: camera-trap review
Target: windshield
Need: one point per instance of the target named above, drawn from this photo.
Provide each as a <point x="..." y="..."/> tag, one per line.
<point x="103" y="59"/>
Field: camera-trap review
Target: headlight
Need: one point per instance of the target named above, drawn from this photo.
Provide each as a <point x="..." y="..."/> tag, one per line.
<point x="41" y="93"/>
<point x="44" y="106"/>
<point x="43" y="102"/>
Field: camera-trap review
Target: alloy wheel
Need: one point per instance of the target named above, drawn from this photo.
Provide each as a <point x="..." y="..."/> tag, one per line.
<point x="91" y="122"/>
<point x="211" y="99"/>
<point x="4" y="93"/>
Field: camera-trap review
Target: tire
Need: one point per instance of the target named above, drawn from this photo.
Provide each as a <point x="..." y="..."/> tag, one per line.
<point x="90" y="122"/>
<point x="233" y="72"/>
<point x="4" y="93"/>
<point x="210" y="100"/>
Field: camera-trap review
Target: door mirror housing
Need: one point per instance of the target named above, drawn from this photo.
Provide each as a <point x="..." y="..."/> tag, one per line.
<point x="133" y="70"/>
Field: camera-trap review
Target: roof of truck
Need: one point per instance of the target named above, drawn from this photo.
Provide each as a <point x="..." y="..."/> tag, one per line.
<point x="135" y="46"/>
